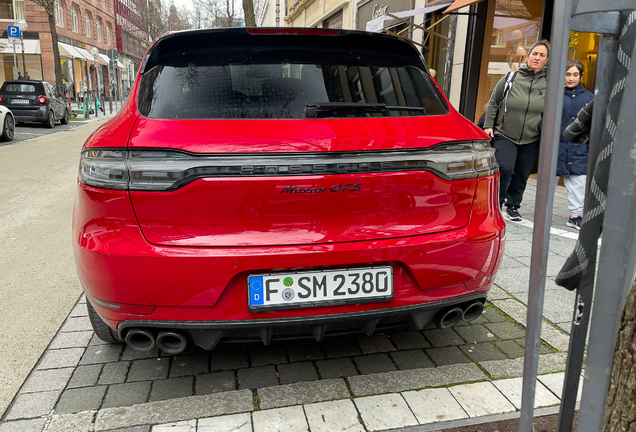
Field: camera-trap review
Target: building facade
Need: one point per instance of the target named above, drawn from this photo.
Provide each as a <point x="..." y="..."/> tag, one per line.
<point x="132" y="41"/>
<point x="85" y="30"/>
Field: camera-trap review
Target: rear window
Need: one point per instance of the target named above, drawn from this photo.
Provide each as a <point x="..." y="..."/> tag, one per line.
<point x="264" y="81"/>
<point x="19" y="88"/>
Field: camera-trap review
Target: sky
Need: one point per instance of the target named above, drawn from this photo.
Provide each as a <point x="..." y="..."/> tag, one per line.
<point x="180" y="3"/>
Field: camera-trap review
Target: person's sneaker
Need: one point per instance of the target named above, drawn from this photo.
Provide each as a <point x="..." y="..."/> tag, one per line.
<point x="512" y="213"/>
<point x="575" y="222"/>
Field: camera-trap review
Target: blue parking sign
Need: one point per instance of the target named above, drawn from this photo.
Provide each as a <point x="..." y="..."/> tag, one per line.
<point x="14" y="31"/>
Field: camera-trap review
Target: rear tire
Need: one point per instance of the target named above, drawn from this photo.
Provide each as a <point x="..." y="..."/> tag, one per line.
<point x="50" y="122"/>
<point x="102" y="330"/>
<point x="9" y="128"/>
<point x="64" y="120"/>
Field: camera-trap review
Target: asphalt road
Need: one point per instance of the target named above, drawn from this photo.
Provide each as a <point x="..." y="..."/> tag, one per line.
<point x="38" y="282"/>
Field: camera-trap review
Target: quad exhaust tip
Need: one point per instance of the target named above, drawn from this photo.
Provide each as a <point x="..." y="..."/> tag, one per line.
<point x="140" y="340"/>
<point x="452" y="315"/>
<point x="171" y="342"/>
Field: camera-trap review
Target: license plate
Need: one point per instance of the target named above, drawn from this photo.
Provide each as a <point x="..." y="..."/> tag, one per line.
<point x="319" y="288"/>
<point x="20" y="101"/>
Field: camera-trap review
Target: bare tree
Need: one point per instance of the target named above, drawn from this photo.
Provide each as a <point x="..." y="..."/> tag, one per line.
<point x="219" y="13"/>
<point x="49" y="8"/>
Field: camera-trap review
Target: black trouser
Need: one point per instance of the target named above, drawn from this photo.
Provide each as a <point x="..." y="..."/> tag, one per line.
<point x="515" y="164"/>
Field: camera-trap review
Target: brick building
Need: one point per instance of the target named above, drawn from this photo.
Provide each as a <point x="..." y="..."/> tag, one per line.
<point x="81" y="26"/>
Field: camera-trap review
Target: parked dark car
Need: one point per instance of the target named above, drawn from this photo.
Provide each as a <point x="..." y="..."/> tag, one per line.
<point x="34" y="101"/>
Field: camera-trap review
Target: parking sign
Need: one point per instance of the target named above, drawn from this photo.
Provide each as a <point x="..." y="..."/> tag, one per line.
<point x="14" y="34"/>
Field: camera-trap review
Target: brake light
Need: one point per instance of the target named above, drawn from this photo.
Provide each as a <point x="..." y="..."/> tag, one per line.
<point x="294" y="31"/>
<point x="42" y="100"/>
<point x="162" y="170"/>
<point x="0" y="98"/>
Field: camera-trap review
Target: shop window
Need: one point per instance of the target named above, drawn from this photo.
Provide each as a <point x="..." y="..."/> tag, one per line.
<point x="11" y="9"/>
<point x="59" y="14"/>
<point x="75" y="19"/>
<point x="584" y="47"/>
<point x="98" y="30"/>
<point x="515" y="28"/>
<point x="87" y="24"/>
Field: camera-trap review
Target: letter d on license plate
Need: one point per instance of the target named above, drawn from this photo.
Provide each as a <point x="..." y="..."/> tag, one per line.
<point x="319" y="288"/>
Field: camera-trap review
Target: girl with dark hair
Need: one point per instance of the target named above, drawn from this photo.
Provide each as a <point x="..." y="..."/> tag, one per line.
<point x="513" y="119"/>
<point x="572" y="163"/>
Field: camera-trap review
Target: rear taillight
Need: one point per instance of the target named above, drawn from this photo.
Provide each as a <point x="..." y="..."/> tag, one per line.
<point x="161" y="170"/>
<point x="42" y="100"/>
<point x="0" y="98"/>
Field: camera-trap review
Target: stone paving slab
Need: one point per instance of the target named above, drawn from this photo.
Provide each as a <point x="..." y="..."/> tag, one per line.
<point x="30" y="405"/>
<point x="229" y="423"/>
<point x="302" y="393"/>
<point x="175" y="410"/>
<point x="290" y="419"/>
<point x="512" y="388"/>
<point x="414" y="379"/>
<point x="384" y="412"/>
<point x="555" y="383"/>
<point x="340" y="415"/>
<point x="80" y="422"/>
<point x="480" y="399"/>
<point x="434" y="405"/>
<point x="33" y="425"/>
<point x="514" y="368"/>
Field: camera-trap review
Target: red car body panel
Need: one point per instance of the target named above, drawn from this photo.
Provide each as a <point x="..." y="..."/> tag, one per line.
<point x="184" y="255"/>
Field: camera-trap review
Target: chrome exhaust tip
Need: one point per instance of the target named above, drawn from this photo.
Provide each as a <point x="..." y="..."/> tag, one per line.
<point x="140" y="339"/>
<point x="171" y="342"/>
<point x="473" y="311"/>
<point x="449" y="317"/>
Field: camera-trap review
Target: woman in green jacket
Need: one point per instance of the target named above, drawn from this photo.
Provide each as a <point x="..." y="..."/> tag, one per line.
<point x="516" y="128"/>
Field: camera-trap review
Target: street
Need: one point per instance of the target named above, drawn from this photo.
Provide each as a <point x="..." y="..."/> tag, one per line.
<point x="39" y="285"/>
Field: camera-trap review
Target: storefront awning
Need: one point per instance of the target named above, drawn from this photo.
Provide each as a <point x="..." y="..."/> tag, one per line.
<point x="101" y="60"/>
<point x="120" y="65"/>
<point x="86" y="54"/>
<point x="377" y="24"/>
<point x="104" y="58"/>
<point x="68" y="51"/>
<point x="31" y="46"/>
<point x="458" y="4"/>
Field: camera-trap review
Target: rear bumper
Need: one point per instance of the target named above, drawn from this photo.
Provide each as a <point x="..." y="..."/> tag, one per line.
<point x="206" y="334"/>
<point x="30" y="115"/>
<point x="188" y="286"/>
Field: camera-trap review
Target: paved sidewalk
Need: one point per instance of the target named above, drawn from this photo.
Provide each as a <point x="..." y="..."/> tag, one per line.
<point x="397" y="379"/>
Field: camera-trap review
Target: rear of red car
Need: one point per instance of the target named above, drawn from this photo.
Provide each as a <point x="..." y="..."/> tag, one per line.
<point x="283" y="183"/>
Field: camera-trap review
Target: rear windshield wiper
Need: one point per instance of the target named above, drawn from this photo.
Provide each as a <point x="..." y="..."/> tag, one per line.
<point x="313" y="110"/>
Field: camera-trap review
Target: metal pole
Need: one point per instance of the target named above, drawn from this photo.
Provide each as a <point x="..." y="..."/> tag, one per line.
<point x="546" y="185"/>
<point x="23" y="60"/>
<point x="617" y="260"/>
<point x="15" y="64"/>
<point x="604" y="77"/>
<point x="110" y="102"/>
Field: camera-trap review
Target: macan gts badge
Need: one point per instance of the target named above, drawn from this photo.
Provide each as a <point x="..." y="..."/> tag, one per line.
<point x="275" y="184"/>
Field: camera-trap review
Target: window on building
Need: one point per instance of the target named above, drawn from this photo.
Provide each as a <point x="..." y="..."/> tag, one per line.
<point x="59" y="14"/>
<point x="98" y="29"/>
<point x="11" y="9"/>
<point x="87" y="24"/>
<point x="108" y="34"/>
<point x="75" y="18"/>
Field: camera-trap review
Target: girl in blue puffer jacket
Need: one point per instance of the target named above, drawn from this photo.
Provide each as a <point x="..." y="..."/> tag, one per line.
<point x="572" y="163"/>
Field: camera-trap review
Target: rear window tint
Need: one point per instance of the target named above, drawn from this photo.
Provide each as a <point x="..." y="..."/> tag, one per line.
<point x="19" y="88"/>
<point x="286" y="84"/>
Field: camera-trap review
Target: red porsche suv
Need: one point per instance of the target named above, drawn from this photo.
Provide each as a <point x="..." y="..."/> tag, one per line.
<point x="283" y="183"/>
